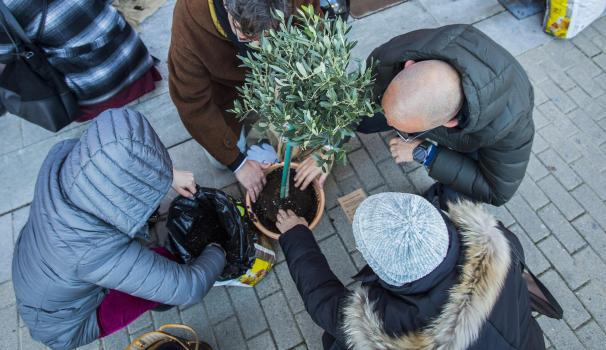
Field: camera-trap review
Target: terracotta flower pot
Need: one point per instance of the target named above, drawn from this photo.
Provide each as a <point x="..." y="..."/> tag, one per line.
<point x="319" y="211"/>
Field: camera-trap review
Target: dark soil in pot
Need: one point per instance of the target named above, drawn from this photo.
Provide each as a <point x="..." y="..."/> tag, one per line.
<point x="303" y="203"/>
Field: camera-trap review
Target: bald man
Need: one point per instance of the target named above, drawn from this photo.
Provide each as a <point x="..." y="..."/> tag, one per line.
<point x="462" y="106"/>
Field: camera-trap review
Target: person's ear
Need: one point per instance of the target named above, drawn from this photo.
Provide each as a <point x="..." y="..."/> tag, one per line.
<point x="409" y="63"/>
<point x="451" y="123"/>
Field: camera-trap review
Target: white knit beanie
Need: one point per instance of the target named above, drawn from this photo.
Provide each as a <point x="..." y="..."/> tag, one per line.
<point x="402" y="236"/>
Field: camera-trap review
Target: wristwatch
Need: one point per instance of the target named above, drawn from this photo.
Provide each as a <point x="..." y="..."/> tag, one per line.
<point x="421" y="152"/>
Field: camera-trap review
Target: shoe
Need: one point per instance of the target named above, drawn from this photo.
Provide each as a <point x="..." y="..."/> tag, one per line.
<point x="162" y="307"/>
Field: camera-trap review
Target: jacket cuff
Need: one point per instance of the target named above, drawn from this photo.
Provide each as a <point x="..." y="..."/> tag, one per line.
<point x="236" y="164"/>
<point x="298" y="239"/>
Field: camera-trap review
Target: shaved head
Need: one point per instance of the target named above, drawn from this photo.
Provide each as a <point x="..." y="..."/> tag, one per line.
<point x="423" y="96"/>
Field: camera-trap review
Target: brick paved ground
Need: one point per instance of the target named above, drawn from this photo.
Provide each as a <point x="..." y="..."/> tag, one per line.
<point x="559" y="212"/>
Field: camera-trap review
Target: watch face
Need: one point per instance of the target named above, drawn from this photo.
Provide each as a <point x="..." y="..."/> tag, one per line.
<point x="419" y="154"/>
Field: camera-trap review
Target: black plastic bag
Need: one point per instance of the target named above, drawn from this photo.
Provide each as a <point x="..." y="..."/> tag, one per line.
<point x="212" y="216"/>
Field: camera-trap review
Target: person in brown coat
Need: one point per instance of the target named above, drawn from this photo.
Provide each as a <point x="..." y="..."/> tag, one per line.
<point x="207" y="36"/>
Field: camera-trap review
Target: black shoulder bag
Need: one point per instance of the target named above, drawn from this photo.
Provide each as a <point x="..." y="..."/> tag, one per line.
<point x="541" y="299"/>
<point x="29" y="86"/>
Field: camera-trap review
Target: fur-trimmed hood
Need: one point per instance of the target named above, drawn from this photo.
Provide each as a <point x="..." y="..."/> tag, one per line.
<point x="483" y="274"/>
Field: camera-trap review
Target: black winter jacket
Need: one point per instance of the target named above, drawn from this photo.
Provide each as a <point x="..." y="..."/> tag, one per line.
<point x="475" y="299"/>
<point x="496" y="120"/>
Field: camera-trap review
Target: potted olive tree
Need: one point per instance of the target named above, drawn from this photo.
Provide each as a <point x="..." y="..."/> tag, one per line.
<point x="300" y="87"/>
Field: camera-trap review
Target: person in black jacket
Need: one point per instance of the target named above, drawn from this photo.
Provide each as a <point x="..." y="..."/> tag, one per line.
<point x="434" y="280"/>
<point x="462" y="106"/>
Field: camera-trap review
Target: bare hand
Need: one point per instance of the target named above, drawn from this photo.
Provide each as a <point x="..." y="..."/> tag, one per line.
<point x="307" y="171"/>
<point x="252" y="177"/>
<point x="184" y="183"/>
<point x="287" y="220"/>
<point x="401" y="151"/>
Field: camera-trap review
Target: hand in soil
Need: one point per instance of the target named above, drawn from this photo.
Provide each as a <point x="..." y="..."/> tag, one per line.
<point x="252" y="177"/>
<point x="184" y="183"/>
<point x="286" y="220"/>
<point x="307" y="171"/>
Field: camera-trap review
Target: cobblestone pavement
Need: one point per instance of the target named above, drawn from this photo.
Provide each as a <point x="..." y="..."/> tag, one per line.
<point x="559" y="212"/>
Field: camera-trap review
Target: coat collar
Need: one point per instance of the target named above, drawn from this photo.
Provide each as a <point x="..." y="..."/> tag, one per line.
<point x="483" y="272"/>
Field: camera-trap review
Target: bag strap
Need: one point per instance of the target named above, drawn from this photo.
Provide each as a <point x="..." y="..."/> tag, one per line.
<point x="13" y="25"/>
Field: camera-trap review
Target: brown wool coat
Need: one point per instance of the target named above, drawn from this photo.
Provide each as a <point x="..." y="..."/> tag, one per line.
<point x="203" y="76"/>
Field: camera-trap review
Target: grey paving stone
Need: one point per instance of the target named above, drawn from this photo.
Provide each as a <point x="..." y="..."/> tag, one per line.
<point x="143" y="321"/>
<point x="501" y="214"/>
<point x="535" y="168"/>
<point x="248" y="311"/>
<point x="420" y="180"/>
<point x="164" y="118"/>
<point x="331" y="192"/>
<point x="557" y="96"/>
<point x="560" y="227"/>
<point x="517" y="36"/>
<point x="281" y="321"/>
<point x="527" y="218"/>
<point x="590" y="201"/>
<point x="263" y="341"/>
<point x="394" y="177"/>
<point x="6" y="249"/>
<point x="600" y="60"/>
<point x="26" y="341"/>
<point x="449" y="12"/>
<point x="349" y="185"/>
<point x="11" y="139"/>
<point x="234" y="191"/>
<point x="197" y="318"/>
<point x="539" y="119"/>
<point x="539" y="99"/>
<point x="338" y="259"/>
<point x="573" y="273"/>
<point x="20" y="217"/>
<point x="312" y="333"/>
<point x="366" y="169"/>
<point x="324" y="228"/>
<point x="7" y="294"/>
<point x="554" y="134"/>
<point x="559" y="76"/>
<point x="584" y="43"/>
<point x="589" y="261"/>
<point x="535" y="259"/>
<point x="268" y="285"/>
<point x="375" y="146"/>
<point x="96" y="345"/>
<point x="532" y="193"/>
<point x="217" y="305"/>
<point x="592" y="296"/>
<point x="591" y="335"/>
<point x="289" y="288"/>
<point x="575" y="314"/>
<point x="587" y="103"/>
<point x="358" y="260"/>
<point x="364" y="31"/>
<point x="592" y="232"/>
<point x="556" y="166"/>
<point x="191" y="156"/>
<point x="166" y="317"/>
<point x="353" y="144"/>
<point x="588" y="126"/>
<point x="559" y="333"/>
<point x="140" y="332"/>
<point x="118" y="340"/>
<point x="343" y="227"/>
<point x="591" y="176"/>
<point x="343" y="171"/>
<point x="229" y="336"/>
<point x="560" y="197"/>
<point x="9" y="333"/>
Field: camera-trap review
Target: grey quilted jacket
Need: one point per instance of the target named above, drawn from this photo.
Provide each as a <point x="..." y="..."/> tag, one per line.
<point x="92" y="197"/>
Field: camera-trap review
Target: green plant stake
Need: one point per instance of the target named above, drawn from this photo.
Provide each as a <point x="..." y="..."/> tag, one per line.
<point x="285" y="185"/>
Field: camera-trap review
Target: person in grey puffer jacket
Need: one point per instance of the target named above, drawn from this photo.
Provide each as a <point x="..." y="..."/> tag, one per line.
<point x="93" y="197"/>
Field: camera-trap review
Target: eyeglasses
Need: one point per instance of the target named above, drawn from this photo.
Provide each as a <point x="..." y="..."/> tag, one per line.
<point x="407" y="138"/>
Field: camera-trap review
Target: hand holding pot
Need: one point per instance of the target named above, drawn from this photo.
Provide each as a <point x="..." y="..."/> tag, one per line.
<point x="252" y="177"/>
<point x="307" y="171"/>
<point x="288" y="219"/>
<point x="184" y="183"/>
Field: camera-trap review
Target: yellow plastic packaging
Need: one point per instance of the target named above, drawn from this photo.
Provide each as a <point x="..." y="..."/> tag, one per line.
<point x="567" y="18"/>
